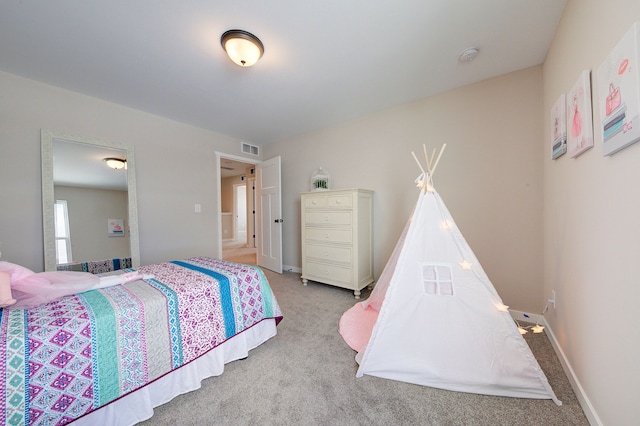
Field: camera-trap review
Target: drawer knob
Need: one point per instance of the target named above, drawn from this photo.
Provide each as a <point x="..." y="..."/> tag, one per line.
<point x="313" y="202"/>
<point x="326" y="254"/>
<point x="326" y="235"/>
<point x="326" y="218"/>
<point x="337" y="201"/>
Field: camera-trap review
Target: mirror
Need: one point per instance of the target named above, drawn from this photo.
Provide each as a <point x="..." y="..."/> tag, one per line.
<point x="103" y="221"/>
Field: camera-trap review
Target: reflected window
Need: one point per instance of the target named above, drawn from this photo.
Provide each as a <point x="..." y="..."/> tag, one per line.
<point x="63" y="237"/>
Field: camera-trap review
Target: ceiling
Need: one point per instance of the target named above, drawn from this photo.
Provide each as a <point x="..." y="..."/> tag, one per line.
<point x="325" y="62"/>
<point x="80" y="164"/>
<point x="229" y="168"/>
<point x="83" y="165"/>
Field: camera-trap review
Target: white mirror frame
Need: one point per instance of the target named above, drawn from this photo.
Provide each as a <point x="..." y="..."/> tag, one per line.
<point x="48" y="198"/>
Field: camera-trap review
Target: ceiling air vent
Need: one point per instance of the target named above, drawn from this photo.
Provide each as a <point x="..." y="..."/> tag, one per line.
<point x="250" y="149"/>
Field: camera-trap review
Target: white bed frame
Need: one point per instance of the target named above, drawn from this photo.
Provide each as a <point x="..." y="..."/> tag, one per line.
<point x="138" y="406"/>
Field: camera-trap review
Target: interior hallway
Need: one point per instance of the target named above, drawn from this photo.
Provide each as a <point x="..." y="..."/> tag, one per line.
<point x="236" y="251"/>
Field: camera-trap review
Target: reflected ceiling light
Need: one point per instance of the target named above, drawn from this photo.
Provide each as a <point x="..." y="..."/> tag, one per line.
<point x="242" y="47"/>
<point x="115" y="163"/>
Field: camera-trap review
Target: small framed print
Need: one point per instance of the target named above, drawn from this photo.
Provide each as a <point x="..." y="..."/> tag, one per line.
<point x="619" y="94"/>
<point x="559" y="127"/>
<point x="579" y="117"/>
<point x="115" y="227"/>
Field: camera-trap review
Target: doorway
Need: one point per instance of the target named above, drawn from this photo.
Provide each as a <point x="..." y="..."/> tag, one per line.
<point x="237" y="209"/>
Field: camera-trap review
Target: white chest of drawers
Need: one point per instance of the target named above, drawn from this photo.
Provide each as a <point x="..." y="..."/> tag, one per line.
<point x="337" y="244"/>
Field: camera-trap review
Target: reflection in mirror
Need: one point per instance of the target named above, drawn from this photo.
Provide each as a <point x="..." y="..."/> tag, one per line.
<point x="89" y="203"/>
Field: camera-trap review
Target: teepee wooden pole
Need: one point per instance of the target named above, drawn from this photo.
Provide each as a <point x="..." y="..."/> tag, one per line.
<point x="416" y="158"/>
<point x="433" y="155"/>
<point x="426" y="158"/>
<point x="439" y="155"/>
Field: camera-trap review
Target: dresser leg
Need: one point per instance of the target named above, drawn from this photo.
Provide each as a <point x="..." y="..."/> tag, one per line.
<point x="304" y="281"/>
<point x="356" y="293"/>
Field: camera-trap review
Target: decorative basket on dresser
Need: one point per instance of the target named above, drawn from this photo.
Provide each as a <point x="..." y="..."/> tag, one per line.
<point x="337" y="245"/>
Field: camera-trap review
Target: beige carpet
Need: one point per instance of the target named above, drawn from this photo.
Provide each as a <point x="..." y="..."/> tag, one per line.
<point x="306" y="376"/>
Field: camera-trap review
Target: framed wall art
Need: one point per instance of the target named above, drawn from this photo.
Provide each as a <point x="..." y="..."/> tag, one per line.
<point x="579" y="121"/>
<point x="115" y="227"/>
<point x="559" y="127"/>
<point x="619" y="94"/>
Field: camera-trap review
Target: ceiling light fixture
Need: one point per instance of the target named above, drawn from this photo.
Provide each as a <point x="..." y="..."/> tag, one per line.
<point x="469" y="54"/>
<point x="115" y="163"/>
<point x="242" y="47"/>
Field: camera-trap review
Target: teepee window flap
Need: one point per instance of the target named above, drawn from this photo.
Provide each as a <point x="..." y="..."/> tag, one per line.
<point x="437" y="280"/>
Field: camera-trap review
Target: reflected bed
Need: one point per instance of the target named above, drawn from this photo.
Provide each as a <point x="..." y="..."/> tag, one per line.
<point x="109" y="356"/>
<point x="97" y="266"/>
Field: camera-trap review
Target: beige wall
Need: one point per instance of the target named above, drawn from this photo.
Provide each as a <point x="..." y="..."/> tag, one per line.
<point x="489" y="176"/>
<point x="175" y="169"/>
<point x="591" y="226"/>
<point x="226" y="192"/>
<point x="89" y="210"/>
<point x="507" y="197"/>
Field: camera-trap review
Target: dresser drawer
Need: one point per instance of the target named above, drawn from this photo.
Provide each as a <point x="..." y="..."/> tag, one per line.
<point x="328" y="218"/>
<point x="330" y="273"/>
<point x="329" y="253"/>
<point x="316" y="202"/>
<point x="342" y="236"/>
<point x="345" y="201"/>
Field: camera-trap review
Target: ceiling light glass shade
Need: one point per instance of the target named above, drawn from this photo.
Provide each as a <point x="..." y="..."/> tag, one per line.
<point x="115" y="163"/>
<point x="242" y="47"/>
<point x="469" y="54"/>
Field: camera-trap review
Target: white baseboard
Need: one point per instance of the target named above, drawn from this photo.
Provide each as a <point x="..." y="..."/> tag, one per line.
<point x="586" y="405"/>
<point x="291" y="269"/>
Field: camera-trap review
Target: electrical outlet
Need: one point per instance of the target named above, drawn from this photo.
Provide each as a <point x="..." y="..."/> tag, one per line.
<point x="552" y="301"/>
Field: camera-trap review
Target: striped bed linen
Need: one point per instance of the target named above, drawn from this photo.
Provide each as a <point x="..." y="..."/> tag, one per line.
<point x="69" y="357"/>
<point x="97" y="266"/>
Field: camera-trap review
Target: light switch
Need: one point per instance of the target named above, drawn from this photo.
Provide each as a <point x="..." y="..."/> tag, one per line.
<point x="198" y="208"/>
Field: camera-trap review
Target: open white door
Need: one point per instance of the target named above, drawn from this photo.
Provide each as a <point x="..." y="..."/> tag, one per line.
<point x="269" y="224"/>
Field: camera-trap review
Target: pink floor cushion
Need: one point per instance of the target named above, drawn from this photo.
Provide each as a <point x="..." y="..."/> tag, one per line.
<point x="356" y="325"/>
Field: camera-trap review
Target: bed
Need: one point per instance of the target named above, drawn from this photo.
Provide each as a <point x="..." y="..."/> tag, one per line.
<point x="97" y="266"/>
<point x="109" y="356"/>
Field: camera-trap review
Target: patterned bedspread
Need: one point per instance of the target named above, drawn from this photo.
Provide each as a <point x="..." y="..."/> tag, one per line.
<point x="69" y="357"/>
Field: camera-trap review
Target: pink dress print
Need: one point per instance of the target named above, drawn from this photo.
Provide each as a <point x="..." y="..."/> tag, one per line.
<point x="576" y="128"/>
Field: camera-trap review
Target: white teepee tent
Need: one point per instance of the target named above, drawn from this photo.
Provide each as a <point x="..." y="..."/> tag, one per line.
<point x="435" y="319"/>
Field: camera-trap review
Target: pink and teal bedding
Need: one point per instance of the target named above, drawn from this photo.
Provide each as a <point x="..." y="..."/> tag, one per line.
<point x="69" y="357"/>
<point x="97" y="266"/>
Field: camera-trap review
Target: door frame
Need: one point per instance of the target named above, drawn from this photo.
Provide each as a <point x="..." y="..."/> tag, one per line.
<point x="219" y="157"/>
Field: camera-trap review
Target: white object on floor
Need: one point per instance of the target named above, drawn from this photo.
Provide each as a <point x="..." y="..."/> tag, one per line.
<point x="434" y="317"/>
